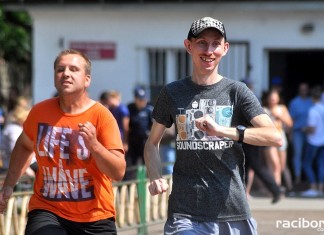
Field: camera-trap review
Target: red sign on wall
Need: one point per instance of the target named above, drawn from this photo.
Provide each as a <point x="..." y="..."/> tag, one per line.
<point x="96" y="50"/>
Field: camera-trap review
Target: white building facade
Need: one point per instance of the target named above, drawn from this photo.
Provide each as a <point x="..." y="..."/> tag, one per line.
<point x="132" y="44"/>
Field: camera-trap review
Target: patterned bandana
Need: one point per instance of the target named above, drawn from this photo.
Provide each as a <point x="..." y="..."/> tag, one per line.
<point x="207" y="22"/>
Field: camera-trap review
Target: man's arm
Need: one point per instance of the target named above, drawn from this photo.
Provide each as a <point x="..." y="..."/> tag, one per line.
<point x="153" y="161"/>
<point x="20" y="159"/>
<point x="110" y="162"/>
<point x="263" y="132"/>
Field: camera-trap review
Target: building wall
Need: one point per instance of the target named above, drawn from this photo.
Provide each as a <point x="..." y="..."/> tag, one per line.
<point x="136" y="26"/>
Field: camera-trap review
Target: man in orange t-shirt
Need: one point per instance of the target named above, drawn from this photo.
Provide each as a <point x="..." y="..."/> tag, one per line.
<point x="79" y="153"/>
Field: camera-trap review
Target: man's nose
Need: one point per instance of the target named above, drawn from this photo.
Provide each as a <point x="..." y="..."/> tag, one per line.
<point x="209" y="48"/>
<point x="66" y="71"/>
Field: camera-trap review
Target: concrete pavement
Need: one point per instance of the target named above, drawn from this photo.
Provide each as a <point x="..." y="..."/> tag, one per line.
<point x="295" y="216"/>
<point x="290" y="216"/>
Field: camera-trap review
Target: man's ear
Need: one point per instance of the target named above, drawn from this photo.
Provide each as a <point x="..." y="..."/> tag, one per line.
<point x="88" y="80"/>
<point x="226" y="47"/>
<point x="187" y="44"/>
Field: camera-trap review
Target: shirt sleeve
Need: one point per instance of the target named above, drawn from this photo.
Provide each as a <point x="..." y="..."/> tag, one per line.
<point x="312" y="119"/>
<point x="249" y="103"/>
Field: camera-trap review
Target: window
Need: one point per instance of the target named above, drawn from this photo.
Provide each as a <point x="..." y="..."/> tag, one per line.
<point x="157" y="65"/>
<point x="236" y="64"/>
<point x="183" y="63"/>
<point x="166" y="65"/>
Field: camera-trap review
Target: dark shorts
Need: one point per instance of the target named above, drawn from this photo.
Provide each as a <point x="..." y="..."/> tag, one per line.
<point x="43" y="222"/>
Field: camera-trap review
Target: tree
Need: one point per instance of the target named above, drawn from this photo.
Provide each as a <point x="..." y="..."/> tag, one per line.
<point x="15" y="36"/>
<point x="15" y="53"/>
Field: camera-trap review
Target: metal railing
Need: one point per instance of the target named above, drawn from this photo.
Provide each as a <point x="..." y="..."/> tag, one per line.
<point x="135" y="207"/>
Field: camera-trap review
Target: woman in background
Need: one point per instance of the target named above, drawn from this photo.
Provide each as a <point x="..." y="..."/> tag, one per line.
<point x="277" y="156"/>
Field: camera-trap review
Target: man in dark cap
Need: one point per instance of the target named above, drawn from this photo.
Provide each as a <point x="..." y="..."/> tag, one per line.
<point x="211" y="114"/>
<point x="140" y="122"/>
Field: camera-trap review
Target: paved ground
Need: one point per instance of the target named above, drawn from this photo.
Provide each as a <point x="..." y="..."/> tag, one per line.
<point x="297" y="216"/>
<point x="290" y="216"/>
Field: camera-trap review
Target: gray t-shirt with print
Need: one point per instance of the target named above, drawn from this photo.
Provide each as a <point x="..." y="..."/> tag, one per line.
<point x="208" y="175"/>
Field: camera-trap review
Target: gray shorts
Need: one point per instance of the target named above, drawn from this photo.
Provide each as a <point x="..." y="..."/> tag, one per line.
<point x="284" y="145"/>
<point x="184" y="226"/>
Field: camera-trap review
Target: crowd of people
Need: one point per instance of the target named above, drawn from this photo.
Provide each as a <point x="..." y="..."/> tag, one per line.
<point x="299" y="160"/>
<point x="199" y="130"/>
<point x="281" y="171"/>
<point x="135" y="122"/>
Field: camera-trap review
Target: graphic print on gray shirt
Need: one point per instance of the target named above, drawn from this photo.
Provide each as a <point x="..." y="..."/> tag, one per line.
<point x="208" y="175"/>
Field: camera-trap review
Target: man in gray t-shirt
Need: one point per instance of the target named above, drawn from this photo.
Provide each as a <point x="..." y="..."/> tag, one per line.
<point x="210" y="113"/>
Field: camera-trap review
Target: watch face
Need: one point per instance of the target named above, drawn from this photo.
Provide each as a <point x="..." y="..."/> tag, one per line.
<point x="241" y="128"/>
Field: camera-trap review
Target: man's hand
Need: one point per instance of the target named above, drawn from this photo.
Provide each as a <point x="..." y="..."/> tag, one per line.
<point x="158" y="186"/>
<point x="88" y="132"/>
<point x="208" y="125"/>
<point x="5" y="194"/>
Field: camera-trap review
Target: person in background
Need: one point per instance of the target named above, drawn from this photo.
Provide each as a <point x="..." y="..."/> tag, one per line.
<point x="2" y="115"/>
<point x="12" y="98"/>
<point x="211" y="114"/>
<point x="120" y="112"/>
<point x="103" y="98"/>
<point x="314" y="157"/>
<point x="79" y="153"/>
<point x="254" y="165"/>
<point x="167" y="150"/>
<point x="140" y="123"/>
<point x="298" y="110"/>
<point x="11" y="132"/>
<point x="21" y="101"/>
<point x="322" y="96"/>
<point x="276" y="83"/>
<point x="2" y="112"/>
<point x="277" y="156"/>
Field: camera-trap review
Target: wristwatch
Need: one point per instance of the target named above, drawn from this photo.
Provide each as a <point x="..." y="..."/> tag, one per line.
<point x="240" y="130"/>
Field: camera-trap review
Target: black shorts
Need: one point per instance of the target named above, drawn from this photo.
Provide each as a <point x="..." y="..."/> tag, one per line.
<point x="43" y="222"/>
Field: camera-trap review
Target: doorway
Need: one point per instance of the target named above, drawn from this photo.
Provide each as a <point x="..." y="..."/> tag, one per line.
<point x="288" y="68"/>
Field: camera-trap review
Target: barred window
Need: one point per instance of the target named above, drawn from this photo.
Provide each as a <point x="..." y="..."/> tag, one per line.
<point x="169" y="64"/>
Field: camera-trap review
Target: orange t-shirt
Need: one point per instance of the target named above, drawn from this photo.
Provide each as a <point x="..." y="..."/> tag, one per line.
<point x="68" y="181"/>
